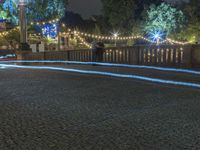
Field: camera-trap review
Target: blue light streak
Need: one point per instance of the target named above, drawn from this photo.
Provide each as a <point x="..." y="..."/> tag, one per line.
<point x="108" y="65"/>
<point x="143" y="78"/>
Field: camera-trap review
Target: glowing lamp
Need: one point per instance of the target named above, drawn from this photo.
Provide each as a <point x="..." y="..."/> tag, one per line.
<point x="157" y="36"/>
<point x="115" y="35"/>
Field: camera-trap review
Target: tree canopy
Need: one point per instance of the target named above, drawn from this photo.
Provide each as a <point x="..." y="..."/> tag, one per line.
<point x="123" y="14"/>
<point x="163" y="18"/>
<point x="9" y="10"/>
<point x="192" y="31"/>
<point x="119" y="13"/>
<point x="38" y="10"/>
<point x="192" y="10"/>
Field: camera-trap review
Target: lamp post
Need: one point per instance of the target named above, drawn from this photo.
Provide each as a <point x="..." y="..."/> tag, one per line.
<point x="23" y="25"/>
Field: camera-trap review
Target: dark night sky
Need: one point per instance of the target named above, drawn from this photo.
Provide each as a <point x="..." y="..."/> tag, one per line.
<point x="88" y="8"/>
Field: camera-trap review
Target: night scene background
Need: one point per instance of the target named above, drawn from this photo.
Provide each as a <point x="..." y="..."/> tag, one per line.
<point x="178" y="19"/>
<point x="99" y="74"/>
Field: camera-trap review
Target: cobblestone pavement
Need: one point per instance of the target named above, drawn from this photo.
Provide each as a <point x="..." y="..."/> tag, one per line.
<point x="52" y="110"/>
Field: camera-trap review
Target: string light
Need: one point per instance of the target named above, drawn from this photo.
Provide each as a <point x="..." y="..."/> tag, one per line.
<point x="47" y="22"/>
<point x="83" y="41"/>
<point x="177" y="42"/>
<point x="122" y="38"/>
<point x="100" y="37"/>
<point x="5" y="33"/>
<point x="80" y="35"/>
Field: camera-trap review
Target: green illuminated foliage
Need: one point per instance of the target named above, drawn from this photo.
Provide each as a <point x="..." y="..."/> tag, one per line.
<point x="9" y="10"/>
<point x="191" y="33"/>
<point x="3" y="14"/>
<point x="40" y="10"/>
<point x="163" y="18"/>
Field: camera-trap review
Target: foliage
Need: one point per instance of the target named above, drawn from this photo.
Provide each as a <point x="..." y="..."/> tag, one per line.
<point x="192" y="10"/>
<point x="13" y="35"/>
<point x="124" y="14"/>
<point x="119" y="13"/>
<point x="10" y="39"/>
<point x="97" y="30"/>
<point x="3" y="41"/>
<point x="8" y="10"/>
<point x="142" y="6"/>
<point x="3" y="15"/>
<point x="163" y="18"/>
<point x="191" y="33"/>
<point x="137" y="28"/>
<point x="40" y="10"/>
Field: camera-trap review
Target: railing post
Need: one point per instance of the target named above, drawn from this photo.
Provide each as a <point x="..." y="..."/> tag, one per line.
<point x="195" y="56"/>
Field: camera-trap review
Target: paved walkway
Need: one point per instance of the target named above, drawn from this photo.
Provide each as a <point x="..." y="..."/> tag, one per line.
<point x="53" y="110"/>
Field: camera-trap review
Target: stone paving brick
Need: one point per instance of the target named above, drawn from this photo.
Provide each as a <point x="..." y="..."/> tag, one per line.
<point x="49" y="110"/>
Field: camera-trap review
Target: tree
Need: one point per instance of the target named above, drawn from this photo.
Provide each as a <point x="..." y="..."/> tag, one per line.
<point x="191" y="33"/>
<point x="192" y="30"/>
<point x="9" y="7"/>
<point x="124" y="14"/>
<point x="38" y="10"/>
<point x="163" y="18"/>
<point x="97" y="30"/>
<point x="119" y="13"/>
<point x="3" y="14"/>
<point x="192" y="10"/>
<point x="143" y="5"/>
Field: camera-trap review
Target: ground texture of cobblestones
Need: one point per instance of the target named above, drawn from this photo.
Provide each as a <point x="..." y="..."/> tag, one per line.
<point x="50" y="110"/>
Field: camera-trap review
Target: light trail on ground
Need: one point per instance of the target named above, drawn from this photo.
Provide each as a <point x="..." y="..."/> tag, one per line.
<point x="108" y="65"/>
<point x="143" y="78"/>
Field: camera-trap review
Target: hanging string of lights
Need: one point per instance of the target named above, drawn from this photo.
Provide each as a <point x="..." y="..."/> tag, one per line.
<point x="83" y="41"/>
<point x="5" y="33"/>
<point x="111" y="38"/>
<point x="47" y="22"/>
<point x="122" y="38"/>
<point x="177" y="42"/>
<point x="82" y="35"/>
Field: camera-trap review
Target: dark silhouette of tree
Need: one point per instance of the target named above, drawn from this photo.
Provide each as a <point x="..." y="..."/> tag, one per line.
<point x="123" y="14"/>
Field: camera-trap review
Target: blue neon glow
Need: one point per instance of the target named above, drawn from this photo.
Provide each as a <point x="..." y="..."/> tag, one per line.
<point x="156" y="36"/>
<point x="107" y="64"/>
<point x="143" y="78"/>
<point x="49" y="30"/>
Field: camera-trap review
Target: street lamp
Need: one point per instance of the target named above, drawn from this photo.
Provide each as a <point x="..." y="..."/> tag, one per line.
<point x="23" y="25"/>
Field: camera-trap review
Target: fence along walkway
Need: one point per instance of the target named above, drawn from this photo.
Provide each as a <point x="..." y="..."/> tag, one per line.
<point x="163" y="55"/>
